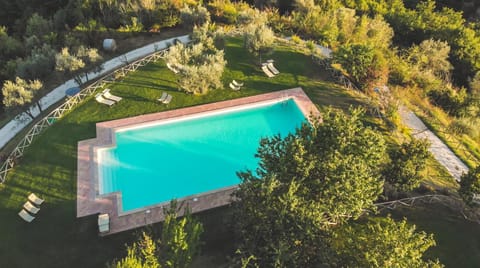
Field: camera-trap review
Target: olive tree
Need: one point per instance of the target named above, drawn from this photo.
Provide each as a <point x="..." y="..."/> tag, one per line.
<point x="258" y="38"/>
<point x="18" y="95"/>
<point x="78" y="63"/>
<point x="200" y="65"/>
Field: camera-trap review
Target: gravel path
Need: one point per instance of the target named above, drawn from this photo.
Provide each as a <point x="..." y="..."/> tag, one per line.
<point x="22" y="120"/>
<point x="440" y="151"/>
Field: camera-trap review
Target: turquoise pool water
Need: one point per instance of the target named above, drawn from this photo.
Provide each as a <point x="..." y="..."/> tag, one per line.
<point x="157" y="163"/>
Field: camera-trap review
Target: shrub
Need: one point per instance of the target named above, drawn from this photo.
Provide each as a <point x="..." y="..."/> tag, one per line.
<point x="452" y="101"/>
<point x="191" y="16"/>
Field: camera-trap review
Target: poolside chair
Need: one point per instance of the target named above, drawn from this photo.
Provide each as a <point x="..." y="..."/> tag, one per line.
<point x="103" y="223"/>
<point x="173" y="69"/>
<point x="25" y="216"/>
<point x="99" y="98"/>
<point x="108" y="95"/>
<point x="267" y="71"/>
<point x="272" y="68"/>
<point x="30" y="208"/>
<point x="35" y="199"/>
<point x="232" y="86"/>
<point x="168" y="99"/>
<point x="163" y="97"/>
<point x="237" y="84"/>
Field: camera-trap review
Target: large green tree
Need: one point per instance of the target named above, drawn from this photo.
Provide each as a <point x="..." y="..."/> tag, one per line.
<point x="18" y="95"/>
<point x="382" y="242"/>
<point x="363" y="63"/>
<point x="408" y="161"/>
<point x="321" y="176"/>
<point x="178" y="244"/>
<point x="200" y="65"/>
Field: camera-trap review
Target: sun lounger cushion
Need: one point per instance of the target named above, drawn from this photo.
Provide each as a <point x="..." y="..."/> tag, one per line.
<point x="267" y="71"/>
<point x="272" y="68"/>
<point x="168" y="99"/>
<point x="30" y="208"/>
<point x="100" y="99"/>
<point x="232" y="86"/>
<point x="108" y="95"/>
<point x="237" y="84"/>
<point x="25" y="216"/>
<point x="35" y="199"/>
<point x="163" y="97"/>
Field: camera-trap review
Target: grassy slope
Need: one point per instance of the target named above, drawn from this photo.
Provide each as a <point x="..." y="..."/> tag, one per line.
<point x="56" y="238"/>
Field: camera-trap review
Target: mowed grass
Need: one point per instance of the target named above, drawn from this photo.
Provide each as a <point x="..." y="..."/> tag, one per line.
<point x="56" y="238"/>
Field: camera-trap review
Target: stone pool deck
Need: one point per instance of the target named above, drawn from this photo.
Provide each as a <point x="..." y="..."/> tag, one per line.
<point x="90" y="202"/>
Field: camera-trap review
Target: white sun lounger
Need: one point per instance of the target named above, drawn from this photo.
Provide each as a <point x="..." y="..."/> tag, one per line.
<point x="232" y="86"/>
<point x="237" y="84"/>
<point x="168" y="99"/>
<point x="163" y="97"/>
<point x="25" y="216"/>
<point x="108" y="95"/>
<point x="173" y="69"/>
<point x="35" y="199"/>
<point x="267" y="71"/>
<point x="99" y="98"/>
<point x="30" y="208"/>
<point x="103" y="223"/>
<point x="272" y="68"/>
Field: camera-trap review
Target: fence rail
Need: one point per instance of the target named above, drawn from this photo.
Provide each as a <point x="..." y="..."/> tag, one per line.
<point x="71" y="103"/>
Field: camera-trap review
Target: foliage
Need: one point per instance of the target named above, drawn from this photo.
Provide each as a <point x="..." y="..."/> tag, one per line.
<point x="76" y="63"/>
<point x="475" y="84"/>
<point x="470" y="186"/>
<point x="404" y="172"/>
<point x="142" y="254"/>
<point x="38" y="65"/>
<point x="19" y="95"/>
<point x="179" y="243"/>
<point x="307" y="182"/>
<point x="201" y="65"/>
<point x="364" y="64"/>
<point x="382" y="242"/>
<point x="135" y="26"/>
<point x="194" y="16"/>
<point x="429" y="60"/>
<point x="223" y="11"/>
<point x="180" y="240"/>
<point x="258" y="38"/>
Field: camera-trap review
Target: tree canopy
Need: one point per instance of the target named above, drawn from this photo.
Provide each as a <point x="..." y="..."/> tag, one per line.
<point x="381" y="242"/>
<point x="321" y="176"/>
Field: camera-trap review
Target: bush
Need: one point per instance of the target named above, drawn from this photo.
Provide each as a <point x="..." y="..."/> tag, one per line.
<point x="39" y="64"/>
<point x="191" y="16"/>
<point x="452" y="101"/>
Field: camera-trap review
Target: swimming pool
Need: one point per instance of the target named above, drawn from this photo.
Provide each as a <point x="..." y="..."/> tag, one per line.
<point x="155" y="163"/>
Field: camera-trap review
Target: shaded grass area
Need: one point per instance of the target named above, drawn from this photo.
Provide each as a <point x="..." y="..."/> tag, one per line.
<point x="458" y="240"/>
<point x="57" y="238"/>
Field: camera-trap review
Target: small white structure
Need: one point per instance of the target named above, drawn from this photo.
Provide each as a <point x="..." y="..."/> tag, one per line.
<point x="109" y="44"/>
<point x="103" y="223"/>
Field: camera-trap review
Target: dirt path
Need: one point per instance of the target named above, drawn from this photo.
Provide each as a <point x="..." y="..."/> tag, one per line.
<point x="440" y="150"/>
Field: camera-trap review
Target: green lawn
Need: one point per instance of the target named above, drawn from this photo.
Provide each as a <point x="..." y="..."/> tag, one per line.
<point x="57" y="239"/>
